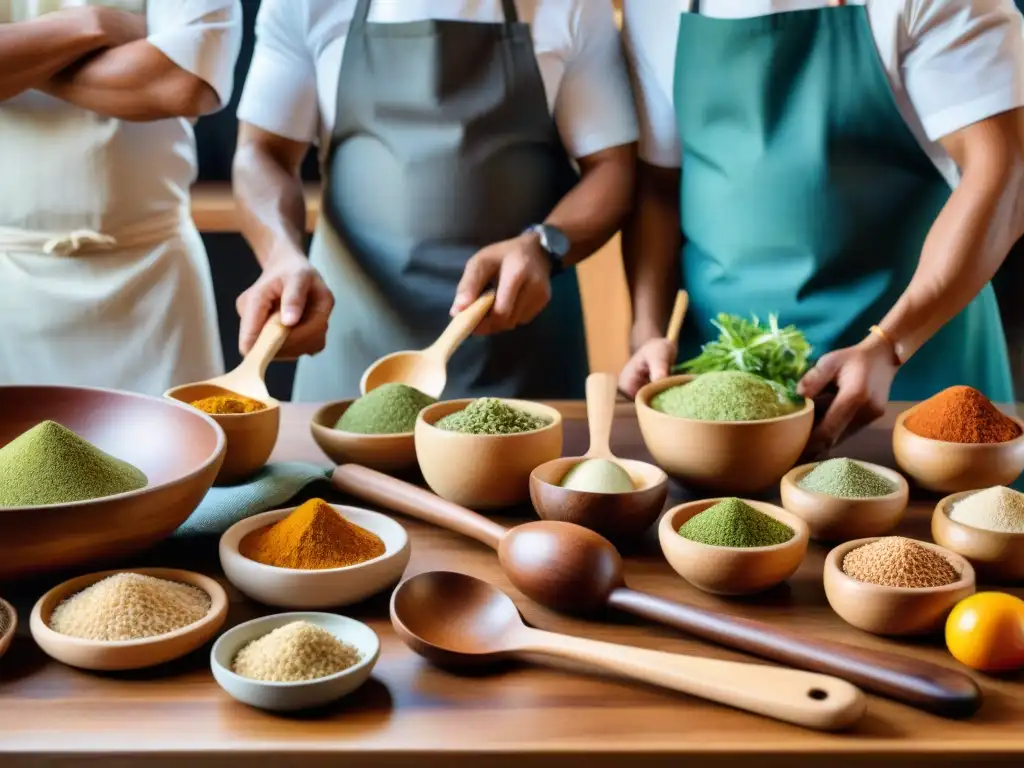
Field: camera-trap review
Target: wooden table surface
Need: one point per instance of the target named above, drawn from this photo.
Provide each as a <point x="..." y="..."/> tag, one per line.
<point x="411" y="713"/>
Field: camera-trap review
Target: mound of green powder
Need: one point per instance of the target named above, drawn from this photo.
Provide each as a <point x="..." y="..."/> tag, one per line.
<point x="390" y="409"/>
<point x="491" y="416"/>
<point x="731" y="523"/>
<point x="845" y="478"/>
<point x="50" y="464"/>
<point x="723" y="396"/>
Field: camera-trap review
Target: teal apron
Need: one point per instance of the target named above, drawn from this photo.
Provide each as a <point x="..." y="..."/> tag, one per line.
<point x="804" y="192"/>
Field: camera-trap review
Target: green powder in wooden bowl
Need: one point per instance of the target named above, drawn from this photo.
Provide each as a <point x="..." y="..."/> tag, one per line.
<point x="390" y="409"/>
<point x="724" y="396"/>
<point x="491" y="416"/>
<point x="733" y="523"/>
<point x="846" y="479"/>
<point x="50" y="464"/>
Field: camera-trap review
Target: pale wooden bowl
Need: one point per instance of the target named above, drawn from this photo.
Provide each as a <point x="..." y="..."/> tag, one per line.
<point x="830" y="518"/>
<point x="394" y="454"/>
<point x="893" y="611"/>
<point x="484" y="471"/>
<point x="954" y="467"/>
<point x="251" y="437"/>
<point x="127" y="654"/>
<point x="731" y="570"/>
<point x="316" y="589"/>
<point x="733" y="457"/>
<point x="12" y="617"/>
<point x="996" y="556"/>
<point x="177" y="447"/>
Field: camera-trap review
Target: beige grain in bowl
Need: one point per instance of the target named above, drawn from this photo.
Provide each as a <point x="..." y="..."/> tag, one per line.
<point x="733" y="457"/>
<point x="731" y="570"/>
<point x="484" y="471"/>
<point x="394" y="453"/>
<point x="997" y="555"/>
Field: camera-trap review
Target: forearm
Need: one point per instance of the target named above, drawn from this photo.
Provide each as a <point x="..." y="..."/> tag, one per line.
<point x="33" y="51"/>
<point x="651" y="241"/>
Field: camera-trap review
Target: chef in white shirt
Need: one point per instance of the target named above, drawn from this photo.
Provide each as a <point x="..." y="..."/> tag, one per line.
<point x="104" y="280"/>
<point x="447" y="131"/>
<point x="854" y="166"/>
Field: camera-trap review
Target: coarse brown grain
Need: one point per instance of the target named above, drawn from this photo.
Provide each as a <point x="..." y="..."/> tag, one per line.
<point x="5" y="620"/>
<point x="895" y="561"/>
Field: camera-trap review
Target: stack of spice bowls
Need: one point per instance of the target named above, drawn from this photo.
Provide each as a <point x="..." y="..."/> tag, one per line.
<point x="986" y="527"/>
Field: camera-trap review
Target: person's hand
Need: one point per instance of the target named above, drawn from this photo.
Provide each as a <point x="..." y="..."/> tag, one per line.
<point x="862" y="376"/>
<point x="291" y="284"/>
<point x="523" y="274"/>
<point x="651" y="362"/>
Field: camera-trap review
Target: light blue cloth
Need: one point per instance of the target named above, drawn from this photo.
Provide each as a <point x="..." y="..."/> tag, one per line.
<point x="224" y="506"/>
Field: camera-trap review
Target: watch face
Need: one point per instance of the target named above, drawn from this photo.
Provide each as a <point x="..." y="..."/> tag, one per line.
<point x="554" y="241"/>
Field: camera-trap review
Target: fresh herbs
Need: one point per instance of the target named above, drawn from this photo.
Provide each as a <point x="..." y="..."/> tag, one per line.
<point x="773" y="353"/>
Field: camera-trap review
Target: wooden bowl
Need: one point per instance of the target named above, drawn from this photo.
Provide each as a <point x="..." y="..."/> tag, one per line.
<point x="327" y="588"/>
<point x="830" y="518"/>
<point x="7" y="637"/>
<point x="127" y="654"/>
<point x="289" y="697"/>
<point x="178" y="448"/>
<point x="731" y="570"/>
<point x="251" y="437"/>
<point x="954" y="467"/>
<point x="734" y="457"/>
<point x="386" y="453"/>
<point x="614" y="515"/>
<point x="996" y="555"/>
<point x="484" y="471"/>
<point x="893" y="611"/>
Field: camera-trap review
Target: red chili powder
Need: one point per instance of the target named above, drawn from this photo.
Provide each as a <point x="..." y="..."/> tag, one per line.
<point x="962" y="415"/>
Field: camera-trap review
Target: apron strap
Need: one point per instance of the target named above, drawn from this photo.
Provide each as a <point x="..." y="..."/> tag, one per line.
<point x="362" y="13"/>
<point x="511" y="14"/>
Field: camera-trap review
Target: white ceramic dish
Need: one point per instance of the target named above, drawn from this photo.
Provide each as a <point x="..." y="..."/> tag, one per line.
<point x="327" y="588"/>
<point x="287" y="697"/>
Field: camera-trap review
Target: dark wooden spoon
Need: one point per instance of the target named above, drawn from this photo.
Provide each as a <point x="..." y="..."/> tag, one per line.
<point x="572" y="569"/>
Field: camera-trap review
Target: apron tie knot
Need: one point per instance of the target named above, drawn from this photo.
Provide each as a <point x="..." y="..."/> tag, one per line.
<point x="78" y="240"/>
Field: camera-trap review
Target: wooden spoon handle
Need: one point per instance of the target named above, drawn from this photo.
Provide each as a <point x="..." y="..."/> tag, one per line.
<point x="921" y="684"/>
<point x="802" y="698"/>
<point x="399" y="496"/>
<point x="461" y="326"/>
<point x="272" y="337"/>
<point x="675" y="322"/>
<point x="602" y="389"/>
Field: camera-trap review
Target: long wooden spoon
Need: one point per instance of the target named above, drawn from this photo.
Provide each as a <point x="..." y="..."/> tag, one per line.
<point x="570" y="568"/>
<point x="675" y="323"/>
<point x="455" y="619"/>
<point x="427" y="369"/>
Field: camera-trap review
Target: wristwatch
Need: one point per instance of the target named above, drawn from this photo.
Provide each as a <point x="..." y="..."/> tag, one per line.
<point x="554" y="242"/>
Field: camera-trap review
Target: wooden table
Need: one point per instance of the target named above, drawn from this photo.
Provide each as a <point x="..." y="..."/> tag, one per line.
<point x="413" y="714"/>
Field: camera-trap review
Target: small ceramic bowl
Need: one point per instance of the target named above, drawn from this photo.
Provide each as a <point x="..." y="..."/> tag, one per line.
<point x="7" y="613"/>
<point x="251" y="437"/>
<point x="327" y="588"/>
<point x="484" y="471"/>
<point x="615" y="515"/>
<point x="734" y="457"/>
<point x="127" y="654"/>
<point x="385" y="453"/>
<point x="731" y="570"/>
<point x="287" y="697"/>
<point x="996" y="555"/>
<point x="893" y="611"/>
<point x="954" y="467"/>
<point x="831" y="518"/>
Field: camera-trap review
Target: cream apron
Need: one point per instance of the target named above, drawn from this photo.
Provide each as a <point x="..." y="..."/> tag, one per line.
<point x="99" y="284"/>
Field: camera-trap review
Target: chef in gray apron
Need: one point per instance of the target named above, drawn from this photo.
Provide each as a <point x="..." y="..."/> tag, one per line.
<point x="444" y="144"/>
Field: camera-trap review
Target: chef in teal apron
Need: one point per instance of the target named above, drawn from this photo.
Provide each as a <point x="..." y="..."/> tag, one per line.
<point x="448" y="131"/>
<point x="816" y="142"/>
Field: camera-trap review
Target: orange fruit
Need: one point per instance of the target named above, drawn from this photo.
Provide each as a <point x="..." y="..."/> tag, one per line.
<point x="986" y="632"/>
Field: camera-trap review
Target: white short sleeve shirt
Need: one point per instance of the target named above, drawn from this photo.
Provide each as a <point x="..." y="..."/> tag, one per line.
<point x="950" y="63"/>
<point x="292" y="85"/>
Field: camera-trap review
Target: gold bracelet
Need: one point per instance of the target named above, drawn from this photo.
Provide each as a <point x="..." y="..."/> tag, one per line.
<point x="885" y="337"/>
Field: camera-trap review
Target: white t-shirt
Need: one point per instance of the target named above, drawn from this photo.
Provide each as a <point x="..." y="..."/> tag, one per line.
<point x="950" y="63"/>
<point x="292" y="85"/>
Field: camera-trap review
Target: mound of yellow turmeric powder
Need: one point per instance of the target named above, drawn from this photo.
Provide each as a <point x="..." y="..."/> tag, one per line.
<point x="222" y="405"/>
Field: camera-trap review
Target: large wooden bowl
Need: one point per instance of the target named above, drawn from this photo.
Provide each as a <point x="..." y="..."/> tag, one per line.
<point x="732" y="457"/>
<point x="178" y="448"/>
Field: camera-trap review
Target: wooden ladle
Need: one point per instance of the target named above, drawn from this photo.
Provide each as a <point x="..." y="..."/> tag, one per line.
<point x="426" y="370"/>
<point x="570" y="568"/>
<point x="675" y="322"/>
<point x="455" y="619"/>
<point x="612" y="514"/>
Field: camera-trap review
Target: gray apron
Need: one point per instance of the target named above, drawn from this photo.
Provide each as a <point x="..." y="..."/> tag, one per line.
<point x="443" y="144"/>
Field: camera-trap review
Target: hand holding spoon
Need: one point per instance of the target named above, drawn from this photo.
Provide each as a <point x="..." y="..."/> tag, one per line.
<point x="456" y="619"/>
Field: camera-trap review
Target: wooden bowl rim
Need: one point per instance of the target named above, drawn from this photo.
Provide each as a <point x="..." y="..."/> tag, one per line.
<point x="369" y="659"/>
<point x="317" y="423"/>
<point x="12" y="615"/>
<point x="900" y="426"/>
<point x="219" y="449"/>
<point x="280" y="514"/>
<point x="662" y="479"/>
<point x="653" y="388"/>
<point x="552" y="413"/>
<point x="945" y="505"/>
<point x="801" y="530"/>
<point x="832" y="564"/>
<point x="794" y="475"/>
<point x="271" y="403"/>
<point x="216" y="613"/>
